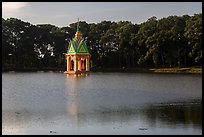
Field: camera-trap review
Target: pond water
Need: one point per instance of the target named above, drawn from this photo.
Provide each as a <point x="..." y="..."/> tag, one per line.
<point x="101" y="103"/>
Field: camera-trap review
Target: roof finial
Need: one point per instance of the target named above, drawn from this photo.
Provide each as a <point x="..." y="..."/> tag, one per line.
<point x="78" y="24"/>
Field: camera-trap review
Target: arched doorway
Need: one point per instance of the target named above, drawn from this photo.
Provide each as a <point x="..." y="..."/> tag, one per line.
<point x="83" y="64"/>
<point x="72" y="65"/>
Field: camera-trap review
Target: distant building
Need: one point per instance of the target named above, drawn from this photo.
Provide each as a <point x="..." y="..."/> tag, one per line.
<point x="77" y="55"/>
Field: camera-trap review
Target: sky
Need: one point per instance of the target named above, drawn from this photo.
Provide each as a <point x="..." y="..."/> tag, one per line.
<point x="62" y="14"/>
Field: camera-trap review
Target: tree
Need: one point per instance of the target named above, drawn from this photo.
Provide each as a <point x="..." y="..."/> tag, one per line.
<point x="146" y="41"/>
<point x="166" y="42"/>
<point x="193" y="33"/>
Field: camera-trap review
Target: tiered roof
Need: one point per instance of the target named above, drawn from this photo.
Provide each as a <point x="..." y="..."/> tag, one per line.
<point x="77" y="45"/>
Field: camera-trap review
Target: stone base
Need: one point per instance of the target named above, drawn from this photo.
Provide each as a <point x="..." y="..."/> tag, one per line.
<point x="77" y="72"/>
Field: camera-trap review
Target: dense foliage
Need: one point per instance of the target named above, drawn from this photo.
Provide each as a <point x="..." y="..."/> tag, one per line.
<point x="167" y="42"/>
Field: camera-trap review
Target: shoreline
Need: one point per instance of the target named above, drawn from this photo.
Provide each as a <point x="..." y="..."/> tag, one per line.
<point x="175" y="70"/>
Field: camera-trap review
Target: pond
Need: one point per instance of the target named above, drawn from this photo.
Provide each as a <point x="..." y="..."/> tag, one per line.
<point x="101" y="103"/>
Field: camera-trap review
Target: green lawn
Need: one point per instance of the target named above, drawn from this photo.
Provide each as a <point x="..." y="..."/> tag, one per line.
<point x="192" y="70"/>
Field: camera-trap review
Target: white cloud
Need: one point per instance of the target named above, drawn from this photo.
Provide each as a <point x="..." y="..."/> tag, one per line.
<point x="12" y="9"/>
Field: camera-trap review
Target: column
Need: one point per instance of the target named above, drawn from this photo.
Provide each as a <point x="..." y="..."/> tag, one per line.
<point x="79" y="65"/>
<point x="67" y="58"/>
<point x="87" y="63"/>
<point x="68" y="63"/>
<point x="75" y="64"/>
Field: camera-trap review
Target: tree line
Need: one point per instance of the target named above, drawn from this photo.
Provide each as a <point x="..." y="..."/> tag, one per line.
<point x="173" y="41"/>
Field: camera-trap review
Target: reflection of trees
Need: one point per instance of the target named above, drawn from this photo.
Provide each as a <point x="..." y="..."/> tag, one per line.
<point x="184" y="114"/>
<point x="176" y="114"/>
<point x="82" y="109"/>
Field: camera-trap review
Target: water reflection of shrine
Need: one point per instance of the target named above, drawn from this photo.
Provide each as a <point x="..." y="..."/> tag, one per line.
<point x="72" y="104"/>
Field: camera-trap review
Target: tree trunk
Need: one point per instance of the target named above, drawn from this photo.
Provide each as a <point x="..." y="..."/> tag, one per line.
<point x="133" y="58"/>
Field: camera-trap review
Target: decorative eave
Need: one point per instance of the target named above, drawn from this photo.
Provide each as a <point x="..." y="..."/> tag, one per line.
<point x="77" y="54"/>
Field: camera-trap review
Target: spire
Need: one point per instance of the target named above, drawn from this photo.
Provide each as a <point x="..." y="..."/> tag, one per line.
<point x="78" y="33"/>
<point x="78" y="25"/>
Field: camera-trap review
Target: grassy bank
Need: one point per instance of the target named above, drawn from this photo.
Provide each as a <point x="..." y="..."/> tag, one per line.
<point x="190" y="70"/>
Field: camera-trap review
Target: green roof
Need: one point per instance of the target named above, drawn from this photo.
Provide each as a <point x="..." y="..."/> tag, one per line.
<point x="77" y="46"/>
